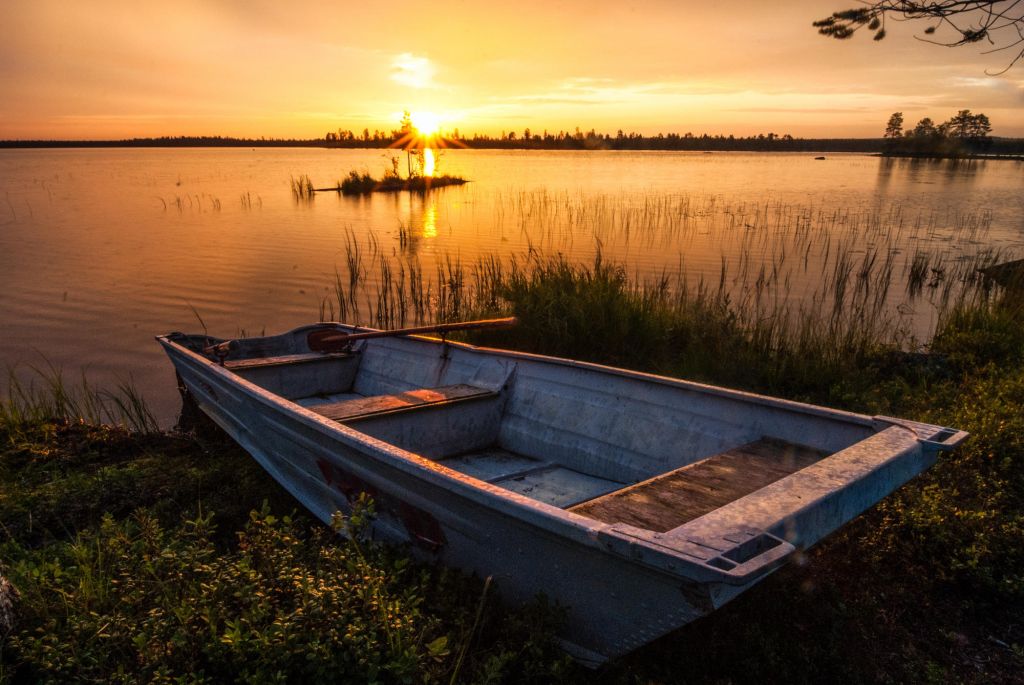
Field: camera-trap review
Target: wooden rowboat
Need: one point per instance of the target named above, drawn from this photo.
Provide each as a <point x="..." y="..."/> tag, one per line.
<point x="639" y="502"/>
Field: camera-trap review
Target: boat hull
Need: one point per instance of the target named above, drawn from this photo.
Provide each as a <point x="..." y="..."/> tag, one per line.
<point x="623" y="586"/>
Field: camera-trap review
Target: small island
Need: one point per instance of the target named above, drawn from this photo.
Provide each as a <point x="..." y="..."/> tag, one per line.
<point x="419" y="135"/>
<point x="964" y="136"/>
<point x="364" y="184"/>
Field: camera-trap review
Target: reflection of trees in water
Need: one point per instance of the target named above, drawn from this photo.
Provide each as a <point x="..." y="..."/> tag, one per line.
<point x="917" y="169"/>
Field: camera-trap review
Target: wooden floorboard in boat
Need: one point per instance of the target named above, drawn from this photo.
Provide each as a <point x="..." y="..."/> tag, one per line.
<point x="378" y="404"/>
<point x="670" y="500"/>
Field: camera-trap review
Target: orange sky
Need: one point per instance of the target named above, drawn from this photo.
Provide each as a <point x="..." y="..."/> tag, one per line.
<point x="105" y="69"/>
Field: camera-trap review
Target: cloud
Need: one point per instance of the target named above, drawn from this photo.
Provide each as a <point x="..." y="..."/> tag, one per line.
<point x="586" y="90"/>
<point x="413" y="71"/>
<point x="802" y="110"/>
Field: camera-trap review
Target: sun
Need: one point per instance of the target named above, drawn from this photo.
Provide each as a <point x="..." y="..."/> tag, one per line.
<point x="427" y="124"/>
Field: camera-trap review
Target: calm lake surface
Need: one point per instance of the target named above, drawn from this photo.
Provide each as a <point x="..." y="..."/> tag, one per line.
<point x="102" y="249"/>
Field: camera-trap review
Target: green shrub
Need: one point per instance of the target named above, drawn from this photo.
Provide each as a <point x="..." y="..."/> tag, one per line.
<point x="133" y="601"/>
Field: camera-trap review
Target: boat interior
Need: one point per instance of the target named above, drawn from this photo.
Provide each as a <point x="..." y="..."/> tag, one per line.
<point x="611" y="446"/>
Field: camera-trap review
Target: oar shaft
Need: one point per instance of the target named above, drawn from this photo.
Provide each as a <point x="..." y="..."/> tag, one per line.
<point x="419" y="330"/>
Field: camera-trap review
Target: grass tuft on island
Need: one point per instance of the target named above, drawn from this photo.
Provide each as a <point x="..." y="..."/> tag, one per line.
<point x="364" y="184"/>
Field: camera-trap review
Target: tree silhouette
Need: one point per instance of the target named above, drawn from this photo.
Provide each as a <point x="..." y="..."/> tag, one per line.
<point x="962" y="135"/>
<point x="925" y="129"/>
<point x="1000" y="23"/>
<point x="894" y="129"/>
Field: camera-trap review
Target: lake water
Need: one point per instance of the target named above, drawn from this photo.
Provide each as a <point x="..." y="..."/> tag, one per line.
<point x="102" y="249"/>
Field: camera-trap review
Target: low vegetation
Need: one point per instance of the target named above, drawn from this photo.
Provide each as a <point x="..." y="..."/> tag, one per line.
<point x="166" y="557"/>
<point x="364" y="184"/>
<point x="148" y="556"/>
<point x="302" y="187"/>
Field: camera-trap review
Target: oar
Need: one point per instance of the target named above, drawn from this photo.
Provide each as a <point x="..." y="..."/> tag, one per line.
<point x="333" y="341"/>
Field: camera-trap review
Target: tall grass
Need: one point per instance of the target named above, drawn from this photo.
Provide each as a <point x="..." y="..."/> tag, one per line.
<point x="249" y="202"/>
<point x="302" y="187"/>
<point x="44" y="395"/>
<point x="679" y="322"/>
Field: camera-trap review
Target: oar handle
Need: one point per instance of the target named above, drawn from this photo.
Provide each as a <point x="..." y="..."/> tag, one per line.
<point x="221" y="350"/>
<point x="333" y="341"/>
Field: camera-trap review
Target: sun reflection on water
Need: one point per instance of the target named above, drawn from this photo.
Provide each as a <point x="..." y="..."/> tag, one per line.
<point x="430" y="220"/>
<point x="428" y="162"/>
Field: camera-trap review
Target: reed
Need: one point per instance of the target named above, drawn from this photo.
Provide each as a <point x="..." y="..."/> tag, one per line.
<point x="673" y="322"/>
<point x="43" y="395"/>
<point x="249" y="202"/>
<point x="302" y="187"/>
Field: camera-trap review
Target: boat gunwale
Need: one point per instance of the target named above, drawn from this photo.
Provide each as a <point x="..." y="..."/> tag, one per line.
<point x="742" y="395"/>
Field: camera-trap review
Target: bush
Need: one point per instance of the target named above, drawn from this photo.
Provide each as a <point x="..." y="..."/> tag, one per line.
<point x="138" y="602"/>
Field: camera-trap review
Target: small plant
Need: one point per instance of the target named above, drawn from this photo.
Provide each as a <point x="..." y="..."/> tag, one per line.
<point x="250" y="202"/>
<point x="302" y="187"/>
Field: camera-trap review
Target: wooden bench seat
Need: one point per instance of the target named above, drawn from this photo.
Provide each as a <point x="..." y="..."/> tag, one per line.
<point x="363" y="407"/>
<point x="671" y="499"/>
<point x="286" y="359"/>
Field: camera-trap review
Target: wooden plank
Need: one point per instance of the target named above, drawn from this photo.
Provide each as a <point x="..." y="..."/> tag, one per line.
<point x="286" y="359"/>
<point x="671" y="499"/>
<point x="382" y="404"/>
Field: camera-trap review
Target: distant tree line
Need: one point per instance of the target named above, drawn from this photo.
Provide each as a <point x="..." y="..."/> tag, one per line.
<point x="959" y="134"/>
<point x="593" y="140"/>
<point x="170" y="141"/>
<point x="969" y="132"/>
<point x="963" y="135"/>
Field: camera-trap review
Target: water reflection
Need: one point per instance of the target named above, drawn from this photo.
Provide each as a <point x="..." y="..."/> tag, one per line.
<point x="421" y="210"/>
<point x="429" y="217"/>
<point x="928" y="170"/>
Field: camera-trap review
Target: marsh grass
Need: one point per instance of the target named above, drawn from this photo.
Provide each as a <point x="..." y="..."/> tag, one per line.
<point x="43" y="395"/>
<point x="196" y="202"/>
<point x="913" y="264"/>
<point x="248" y="202"/>
<point x="302" y="187"/>
<point x="679" y="323"/>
